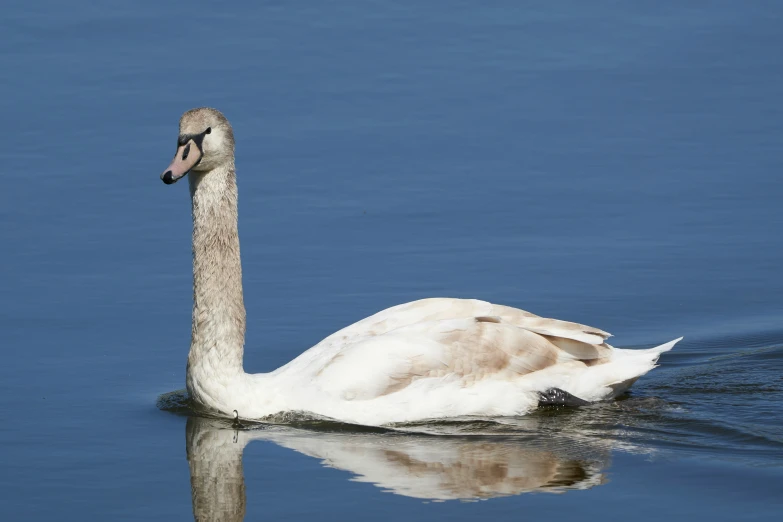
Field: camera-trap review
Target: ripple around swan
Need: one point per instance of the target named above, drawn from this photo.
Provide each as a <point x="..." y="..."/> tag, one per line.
<point x="694" y="420"/>
<point x="713" y="401"/>
<point x="722" y="400"/>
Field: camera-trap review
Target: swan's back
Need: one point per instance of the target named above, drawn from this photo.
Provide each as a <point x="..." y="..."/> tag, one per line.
<point x="586" y="340"/>
<point x="452" y="357"/>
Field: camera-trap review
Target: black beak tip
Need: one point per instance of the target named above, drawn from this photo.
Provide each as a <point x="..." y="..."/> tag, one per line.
<point x="167" y="178"/>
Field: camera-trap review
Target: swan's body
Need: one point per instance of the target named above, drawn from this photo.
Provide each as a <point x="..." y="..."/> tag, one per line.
<point x="427" y="359"/>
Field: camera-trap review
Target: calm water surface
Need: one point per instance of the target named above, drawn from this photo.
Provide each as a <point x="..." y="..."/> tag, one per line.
<point x="611" y="163"/>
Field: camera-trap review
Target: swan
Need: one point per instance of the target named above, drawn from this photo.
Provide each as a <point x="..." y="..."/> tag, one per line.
<point x="427" y="359"/>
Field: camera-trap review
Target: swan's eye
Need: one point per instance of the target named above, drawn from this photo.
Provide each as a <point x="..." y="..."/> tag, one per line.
<point x="208" y="131"/>
<point x="186" y="152"/>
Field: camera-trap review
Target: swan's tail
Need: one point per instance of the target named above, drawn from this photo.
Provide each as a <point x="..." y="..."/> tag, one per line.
<point x="607" y="381"/>
<point x="658" y="350"/>
<point x="647" y="356"/>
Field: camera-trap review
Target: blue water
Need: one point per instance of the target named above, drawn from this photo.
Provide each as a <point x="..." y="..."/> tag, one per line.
<point x="612" y="163"/>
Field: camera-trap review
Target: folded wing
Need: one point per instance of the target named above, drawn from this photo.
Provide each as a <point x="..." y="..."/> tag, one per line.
<point x="464" y="350"/>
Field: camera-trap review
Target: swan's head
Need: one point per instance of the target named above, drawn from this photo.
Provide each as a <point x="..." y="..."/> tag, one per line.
<point x="205" y="142"/>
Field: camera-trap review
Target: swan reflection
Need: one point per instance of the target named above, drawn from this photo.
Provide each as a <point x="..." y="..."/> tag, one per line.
<point x="425" y="467"/>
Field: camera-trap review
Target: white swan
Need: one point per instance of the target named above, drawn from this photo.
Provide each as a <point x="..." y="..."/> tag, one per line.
<point x="433" y="358"/>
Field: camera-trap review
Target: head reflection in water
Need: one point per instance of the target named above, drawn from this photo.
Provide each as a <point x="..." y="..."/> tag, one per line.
<point x="425" y="467"/>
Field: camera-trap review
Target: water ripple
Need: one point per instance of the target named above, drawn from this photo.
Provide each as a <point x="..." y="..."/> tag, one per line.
<point x="719" y="400"/>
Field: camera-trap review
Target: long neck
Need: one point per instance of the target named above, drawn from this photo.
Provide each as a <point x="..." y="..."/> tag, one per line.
<point x="218" y="332"/>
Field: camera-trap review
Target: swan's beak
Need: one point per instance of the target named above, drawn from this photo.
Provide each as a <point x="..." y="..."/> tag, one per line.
<point x="187" y="157"/>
